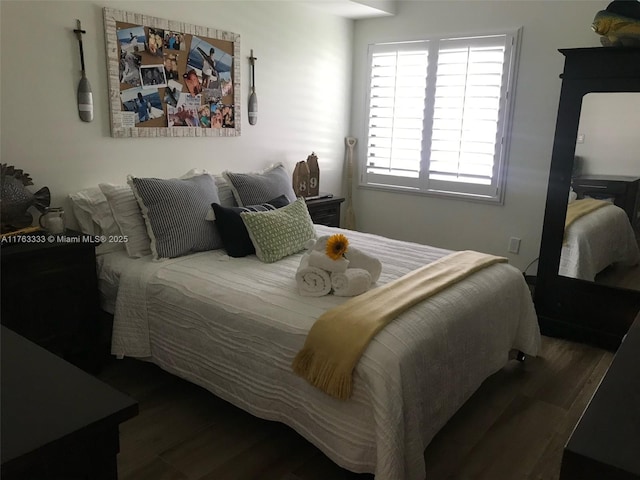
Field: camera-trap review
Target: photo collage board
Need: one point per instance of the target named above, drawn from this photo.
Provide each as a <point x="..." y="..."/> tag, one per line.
<point x="169" y="78"/>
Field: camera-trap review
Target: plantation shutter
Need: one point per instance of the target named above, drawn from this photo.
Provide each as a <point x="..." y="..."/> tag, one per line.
<point x="468" y="116"/>
<point x="396" y="113"/>
<point x="438" y="115"/>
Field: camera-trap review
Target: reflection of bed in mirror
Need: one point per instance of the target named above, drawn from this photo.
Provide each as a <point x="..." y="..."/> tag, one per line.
<point x="606" y="168"/>
<point x="600" y="239"/>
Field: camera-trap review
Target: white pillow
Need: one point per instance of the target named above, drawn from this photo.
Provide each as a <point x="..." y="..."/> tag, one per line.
<point x="92" y="211"/>
<point x="128" y="216"/>
<point x="224" y="190"/>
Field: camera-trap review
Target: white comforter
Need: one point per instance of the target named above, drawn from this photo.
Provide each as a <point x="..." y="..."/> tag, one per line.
<point x="234" y="326"/>
<point x="596" y="240"/>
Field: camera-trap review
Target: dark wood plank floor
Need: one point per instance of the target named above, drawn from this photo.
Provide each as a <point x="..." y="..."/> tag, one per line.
<point x="514" y="427"/>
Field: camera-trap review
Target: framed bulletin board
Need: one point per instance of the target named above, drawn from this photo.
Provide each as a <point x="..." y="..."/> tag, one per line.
<point x="171" y="79"/>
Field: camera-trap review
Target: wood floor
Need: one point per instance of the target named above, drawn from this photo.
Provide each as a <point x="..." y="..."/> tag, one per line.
<point x="513" y="428"/>
<point x="620" y="276"/>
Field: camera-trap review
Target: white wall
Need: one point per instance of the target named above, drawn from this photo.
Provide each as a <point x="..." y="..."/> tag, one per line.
<point x="302" y="78"/>
<point x="610" y="124"/>
<point x="456" y="224"/>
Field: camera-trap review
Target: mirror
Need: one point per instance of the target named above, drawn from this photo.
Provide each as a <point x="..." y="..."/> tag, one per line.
<point x="601" y="241"/>
<point x="569" y="307"/>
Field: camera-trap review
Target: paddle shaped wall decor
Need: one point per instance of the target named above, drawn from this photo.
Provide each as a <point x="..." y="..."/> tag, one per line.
<point x="85" y="96"/>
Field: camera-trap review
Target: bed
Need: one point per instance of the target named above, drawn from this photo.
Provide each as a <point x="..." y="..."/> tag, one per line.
<point x="597" y="240"/>
<point x="234" y="326"/>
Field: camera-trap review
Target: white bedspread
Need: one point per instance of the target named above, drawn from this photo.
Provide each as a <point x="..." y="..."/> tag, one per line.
<point x="110" y="266"/>
<point x="234" y="325"/>
<point x="598" y="239"/>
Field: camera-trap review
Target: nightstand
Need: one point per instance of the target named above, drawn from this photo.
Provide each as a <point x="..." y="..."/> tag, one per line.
<point x="624" y="190"/>
<point x="49" y="293"/>
<point x="325" y="211"/>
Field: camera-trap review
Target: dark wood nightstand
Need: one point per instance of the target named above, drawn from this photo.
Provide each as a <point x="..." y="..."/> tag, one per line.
<point x="49" y="293"/>
<point x="624" y="190"/>
<point x="325" y="211"/>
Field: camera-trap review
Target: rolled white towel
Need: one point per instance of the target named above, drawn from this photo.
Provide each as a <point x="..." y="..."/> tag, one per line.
<point x="320" y="259"/>
<point x="312" y="281"/>
<point x="359" y="259"/>
<point x="351" y="282"/>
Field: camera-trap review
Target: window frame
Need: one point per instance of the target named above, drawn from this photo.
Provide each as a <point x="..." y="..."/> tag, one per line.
<point x="423" y="185"/>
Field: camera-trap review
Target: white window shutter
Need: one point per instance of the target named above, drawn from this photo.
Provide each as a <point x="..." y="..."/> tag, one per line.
<point x="467" y="134"/>
<point x="438" y="115"/>
<point x="396" y="112"/>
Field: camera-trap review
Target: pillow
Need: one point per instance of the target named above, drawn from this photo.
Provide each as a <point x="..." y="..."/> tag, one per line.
<point x="127" y="214"/>
<point x="235" y="237"/>
<point x="279" y="233"/>
<point x="174" y="211"/>
<point x="257" y="188"/>
<point x="225" y="193"/>
<point x="94" y="217"/>
<point x="224" y="190"/>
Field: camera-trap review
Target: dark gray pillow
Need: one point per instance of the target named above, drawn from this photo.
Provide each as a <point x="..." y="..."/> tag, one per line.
<point x="235" y="237"/>
<point x="174" y="211"/>
<point x="257" y="188"/>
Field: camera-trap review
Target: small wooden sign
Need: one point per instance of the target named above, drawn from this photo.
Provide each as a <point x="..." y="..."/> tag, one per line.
<point x="314" y="175"/>
<point x="301" y="179"/>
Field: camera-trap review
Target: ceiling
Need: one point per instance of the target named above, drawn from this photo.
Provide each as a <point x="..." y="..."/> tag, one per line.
<point x="355" y="9"/>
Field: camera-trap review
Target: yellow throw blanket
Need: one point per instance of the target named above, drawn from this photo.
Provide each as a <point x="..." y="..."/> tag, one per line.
<point x="578" y="208"/>
<point x="340" y="336"/>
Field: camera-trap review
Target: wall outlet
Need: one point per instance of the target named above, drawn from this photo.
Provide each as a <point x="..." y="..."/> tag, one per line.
<point x="514" y="245"/>
<point x="580" y="138"/>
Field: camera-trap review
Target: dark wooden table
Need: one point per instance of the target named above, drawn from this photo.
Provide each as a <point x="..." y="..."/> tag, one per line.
<point x="605" y="444"/>
<point x="58" y="422"/>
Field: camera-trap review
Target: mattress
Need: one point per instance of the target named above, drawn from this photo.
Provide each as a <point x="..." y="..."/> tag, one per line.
<point x="596" y="240"/>
<point x="234" y="325"/>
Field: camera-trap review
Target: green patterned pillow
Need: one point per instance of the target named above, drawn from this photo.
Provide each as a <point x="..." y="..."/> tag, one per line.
<point x="279" y="233"/>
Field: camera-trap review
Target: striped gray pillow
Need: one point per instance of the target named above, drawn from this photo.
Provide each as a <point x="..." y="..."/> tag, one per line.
<point x="257" y="188"/>
<point x="174" y="211"/>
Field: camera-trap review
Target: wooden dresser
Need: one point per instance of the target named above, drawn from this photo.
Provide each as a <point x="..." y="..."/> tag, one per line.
<point x="605" y="445"/>
<point x="58" y="422"/>
<point x="50" y="293"/>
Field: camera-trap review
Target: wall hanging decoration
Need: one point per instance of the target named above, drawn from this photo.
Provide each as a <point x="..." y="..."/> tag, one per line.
<point x="171" y="79"/>
<point x="253" y="98"/>
<point x="85" y="97"/>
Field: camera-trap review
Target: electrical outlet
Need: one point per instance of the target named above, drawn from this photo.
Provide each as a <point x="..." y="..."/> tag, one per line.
<point x="514" y="245"/>
<point x="580" y="138"/>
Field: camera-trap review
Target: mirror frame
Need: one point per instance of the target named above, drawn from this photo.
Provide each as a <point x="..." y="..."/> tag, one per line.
<point x="569" y="307"/>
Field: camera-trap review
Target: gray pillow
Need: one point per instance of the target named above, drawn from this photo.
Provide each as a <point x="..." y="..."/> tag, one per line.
<point x="174" y="211"/>
<point x="257" y="188"/>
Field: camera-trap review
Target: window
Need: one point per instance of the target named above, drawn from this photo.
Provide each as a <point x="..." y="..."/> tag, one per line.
<point x="438" y="115"/>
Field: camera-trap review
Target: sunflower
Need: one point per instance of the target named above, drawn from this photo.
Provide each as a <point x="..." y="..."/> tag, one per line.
<point x="336" y="246"/>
